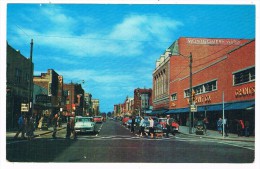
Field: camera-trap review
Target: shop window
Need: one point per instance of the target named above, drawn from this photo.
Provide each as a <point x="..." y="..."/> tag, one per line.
<point x="244" y="76"/>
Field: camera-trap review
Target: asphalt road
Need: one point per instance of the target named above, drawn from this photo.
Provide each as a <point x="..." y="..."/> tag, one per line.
<point x="115" y="144"/>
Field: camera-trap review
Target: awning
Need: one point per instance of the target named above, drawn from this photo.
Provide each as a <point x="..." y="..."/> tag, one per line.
<point x="217" y="107"/>
<point x="176" y="111"/>
<point x="154" y="112"/>
<point x="239" y="105"/>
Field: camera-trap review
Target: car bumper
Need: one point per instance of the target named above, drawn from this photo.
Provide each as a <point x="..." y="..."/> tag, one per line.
<point x="84" y="130"/>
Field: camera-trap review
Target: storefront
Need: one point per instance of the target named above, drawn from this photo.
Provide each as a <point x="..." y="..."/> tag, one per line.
<point x="223" y="71"/>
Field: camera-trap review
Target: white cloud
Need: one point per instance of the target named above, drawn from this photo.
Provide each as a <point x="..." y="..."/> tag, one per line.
<point x="125" y="39"/>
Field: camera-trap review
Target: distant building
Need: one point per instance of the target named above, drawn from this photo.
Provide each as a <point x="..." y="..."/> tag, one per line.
<point x="75" y="99"/>
<point x="88" y="106"/>
<point x="53" y="82"/>
<point x="95" y="107"/>
<point x="142" y="101"/>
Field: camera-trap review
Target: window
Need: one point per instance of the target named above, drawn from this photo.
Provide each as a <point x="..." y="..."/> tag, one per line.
<point x="174" y="96"/>
<point x="18" y="75"/>
<point x="203" y="88"/>
<point x="244" y="76"/>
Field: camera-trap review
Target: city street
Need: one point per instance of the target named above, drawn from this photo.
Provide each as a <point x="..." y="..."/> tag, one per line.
<point x="115" y="143"/>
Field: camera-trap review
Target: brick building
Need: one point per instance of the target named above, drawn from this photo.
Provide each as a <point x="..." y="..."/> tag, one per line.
<point x="220" y="66"/>
<point x="75" y="101"/>
<point x="142" y="100"/>
<point x="18" y="88"/>
<point x="53" y="82"/>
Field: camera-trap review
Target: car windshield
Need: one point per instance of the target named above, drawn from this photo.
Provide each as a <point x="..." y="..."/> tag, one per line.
<point x="84" y="120"/>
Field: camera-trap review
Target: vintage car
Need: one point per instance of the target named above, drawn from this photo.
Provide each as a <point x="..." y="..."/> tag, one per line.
<point x="85" y="125"/>
<point x="125" y="120"/>
<point x="97" y="119"/>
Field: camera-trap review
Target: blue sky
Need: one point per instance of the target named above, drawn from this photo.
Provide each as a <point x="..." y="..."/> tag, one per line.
<point x="114" y="47"/>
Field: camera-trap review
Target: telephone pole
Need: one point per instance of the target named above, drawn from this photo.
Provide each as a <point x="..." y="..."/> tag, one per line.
<point x="31" y="81"/>
<point x="190" y="131"/>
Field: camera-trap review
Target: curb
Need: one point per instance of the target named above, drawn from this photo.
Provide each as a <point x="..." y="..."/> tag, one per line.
<point x="48" y="132"/>
<point x="217" y="138"/>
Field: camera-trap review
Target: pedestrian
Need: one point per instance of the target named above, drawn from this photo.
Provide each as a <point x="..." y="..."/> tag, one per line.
<point x="133" y="125"/>
<point x="30" y="128"/>
<point x="40" y="123"/>
<point x="225" y="122"/>
<point x="247" y="128"/>
<point x="205" y="124"/>
<point x="55" y="125"/>
<point x="238" y="128"/>
<point x="219" y="125"/>
<point x="168" y="126"/>
<point x="72" y="125"/>
<point x="151" y="127"/>
<point x="21" y="127"/>
<point x="68" y="130"/>
<point x="242" y="127"/>
<point x="142" y="126"/>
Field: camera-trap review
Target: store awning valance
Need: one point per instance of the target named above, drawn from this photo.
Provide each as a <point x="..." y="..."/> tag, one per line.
<point x="158" y="112"/>
<point x="217" y="107"/>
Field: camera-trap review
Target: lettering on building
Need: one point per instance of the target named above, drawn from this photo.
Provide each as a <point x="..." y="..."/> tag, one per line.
<point x="201" y="99"/>
<point x="245" y="91"/>
<point x="213" y="41"/>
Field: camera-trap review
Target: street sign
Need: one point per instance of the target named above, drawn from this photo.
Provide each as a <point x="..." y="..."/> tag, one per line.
<point x="42" y="98"/>
<point x="193" y="108"/>
<point x="24" y="107"/>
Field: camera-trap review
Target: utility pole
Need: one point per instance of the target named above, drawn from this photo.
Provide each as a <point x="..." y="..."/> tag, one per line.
<point x="31" y="81"/>
<point x="190" y="131"/>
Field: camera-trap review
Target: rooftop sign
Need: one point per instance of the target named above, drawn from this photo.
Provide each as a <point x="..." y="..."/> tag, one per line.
<point x="198" y="41"/>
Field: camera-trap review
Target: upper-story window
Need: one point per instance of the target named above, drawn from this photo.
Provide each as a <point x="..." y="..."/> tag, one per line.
<point x="244" y="76"/>
<point x="203" y="88"/>
<point x="174" y="96"/>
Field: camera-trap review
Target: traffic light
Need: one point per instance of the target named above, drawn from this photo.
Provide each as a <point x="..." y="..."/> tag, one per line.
<point x="193" y="95"/>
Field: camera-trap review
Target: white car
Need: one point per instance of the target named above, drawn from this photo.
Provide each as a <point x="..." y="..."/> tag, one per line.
<point x="85" y="125"/>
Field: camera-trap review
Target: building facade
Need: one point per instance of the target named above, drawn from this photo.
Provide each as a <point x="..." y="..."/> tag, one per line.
<point x="95" y="103"/>
<point x="223" y="71"/>
<point x="75" y="101"/>
<point x="53" y="82"/>
<point x="19" y="85"/>
<point x="88" y="104"/>
<point x="142" y="101"/>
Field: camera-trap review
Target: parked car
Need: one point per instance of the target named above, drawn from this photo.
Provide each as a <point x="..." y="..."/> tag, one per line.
<point x="125" y="120"/>
<point x="175" y="126"/>
<point x="97" y="119"/>
<point x="85" y="125"/>
<point x="162" y="123"/>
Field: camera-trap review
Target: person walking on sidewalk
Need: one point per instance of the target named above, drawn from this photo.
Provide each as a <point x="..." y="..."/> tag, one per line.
<point x="247" y="128"/>
<point x="168" y="126"/>
<point x="151" y="127"/>
<point x="133" y="125"/>
<point x="72" y="125"/>
<point x="55" y="124"/>
<point x="142" y="126"/>
<point x="21" y="125"/>
<point x="30" y="128"/>
<point x="219" y="125"/>
<point x="205" y="124"/>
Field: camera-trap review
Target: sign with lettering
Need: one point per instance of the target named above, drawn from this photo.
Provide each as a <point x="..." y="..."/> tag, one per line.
<point x="200" y="41"/>
<point x="24" y="107"/>
<point x="245" y="91"/>
<point x="42" y="98"/>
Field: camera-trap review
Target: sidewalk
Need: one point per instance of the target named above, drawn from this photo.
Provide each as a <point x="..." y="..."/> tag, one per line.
<point x="215" y="135"/>
<point x="37" y="132"/>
